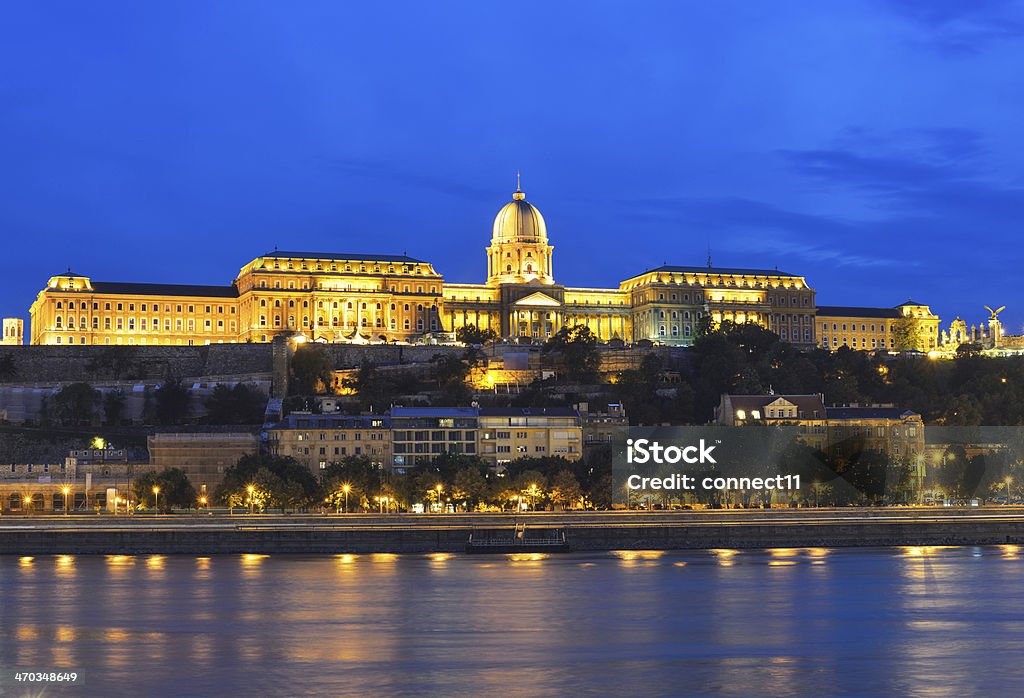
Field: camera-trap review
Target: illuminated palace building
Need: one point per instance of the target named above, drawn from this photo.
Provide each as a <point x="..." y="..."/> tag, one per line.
<point x="337" y="297"/>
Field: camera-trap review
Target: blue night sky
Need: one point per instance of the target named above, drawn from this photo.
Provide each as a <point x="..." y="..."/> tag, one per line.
<point x="874" y="146"/>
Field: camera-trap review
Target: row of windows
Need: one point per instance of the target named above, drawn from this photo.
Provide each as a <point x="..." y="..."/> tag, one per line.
<point x="348" y="306"/>
<point x="687" y="331"/>
<point x="406" y="269"/>
<point x="142" y="341"/>
<point x="338" y="451"/>
<point x="519" y="435"/>
<point x="793" y="319"/>
<point x="853" y="327"/>
<point x="336" y="322"/>
<point x="875" y="343"/>
<point x="426" y="447"/>
<point x="784" y="334"/>
<point x="433" y="436"/>
<point x="341" y="436"/>
<point x="328" y="286"/>
<point x="144" y="307"/>
<point x="877" y="431"/>
<point x="143" y="324"/>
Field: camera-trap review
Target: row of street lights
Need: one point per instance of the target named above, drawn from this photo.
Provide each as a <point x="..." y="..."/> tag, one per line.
<point x="203" y="501"/>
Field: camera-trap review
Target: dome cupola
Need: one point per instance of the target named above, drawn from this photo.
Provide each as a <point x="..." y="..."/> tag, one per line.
<point x="519" y="221"/>
<point x="519" y="251"/>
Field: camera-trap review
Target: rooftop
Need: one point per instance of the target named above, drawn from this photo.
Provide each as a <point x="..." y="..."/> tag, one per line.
<point x="528" y="412"/>
<point x="134" y="289"/>
<point x="807" y="405"/>
<point x="343" y="256"/>
<point x="850" y="311"/>
<point x="868" y="412"/>
<point x="716" y="271"/>
<point x="434" y="411"/>
<point x="331" y="421"/>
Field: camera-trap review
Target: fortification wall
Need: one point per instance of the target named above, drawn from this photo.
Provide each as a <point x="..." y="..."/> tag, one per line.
<point x="37" y="365"/>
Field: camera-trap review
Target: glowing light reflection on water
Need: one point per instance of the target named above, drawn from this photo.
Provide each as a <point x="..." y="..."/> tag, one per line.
<point x="913" y="620"/>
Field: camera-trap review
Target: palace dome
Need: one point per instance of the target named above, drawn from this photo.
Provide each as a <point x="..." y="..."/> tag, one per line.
<point x="519" y="221"/>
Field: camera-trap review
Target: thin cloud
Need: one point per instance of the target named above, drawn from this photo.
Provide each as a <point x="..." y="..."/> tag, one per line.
<point x="962" y="28"/>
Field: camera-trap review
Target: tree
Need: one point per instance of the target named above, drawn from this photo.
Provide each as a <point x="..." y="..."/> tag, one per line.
<point x="75" y="405"/>
<point x="176" y="491"/>
<point x="312" y="370"/>
<point x="962" y="410"/>
<point x="451" y="373"/>
<point x="637" y="390"/>
<point x="575" y="353"/>
<point x="370" y="386"/>
<point x="532" y="487"/>
<point x="172" y="402"/>
<point x="471" y="334"/>
<point x="907" y="335"/>
<point x="470" y="487"/>
<point x="278" y="482"/>
<point x="358" y="473"/>
<point x="565" y="490"/>
<point x="240" y="404"/>
<point x="113" y="407"/>
<point x="705" y="325"/>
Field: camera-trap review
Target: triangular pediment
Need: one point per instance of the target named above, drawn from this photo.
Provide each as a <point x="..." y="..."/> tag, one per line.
<point x="539" y="299"/>
<point x="780" y="402"/>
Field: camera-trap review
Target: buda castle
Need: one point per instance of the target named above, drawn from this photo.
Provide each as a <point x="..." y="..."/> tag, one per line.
<point x="363" y="298"/>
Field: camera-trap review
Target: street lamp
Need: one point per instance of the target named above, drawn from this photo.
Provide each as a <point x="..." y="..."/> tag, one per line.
<point x="533" y="496"/>
<point x="66" y="490"/>
<point x="202" y="501"/>
<point x="156" y="499"/>
<point x="250" y="489"/>
<point x="1009" y="481"/>
<point x="438" y="488"/>
<point x="346" y="488"/>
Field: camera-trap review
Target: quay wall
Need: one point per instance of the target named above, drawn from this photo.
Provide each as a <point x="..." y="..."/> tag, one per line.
<point x="321" y="539"/>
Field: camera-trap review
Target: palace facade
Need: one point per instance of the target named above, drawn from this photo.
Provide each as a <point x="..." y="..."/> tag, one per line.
<point x="338" y="297"/>
<point x="907" y="326"/>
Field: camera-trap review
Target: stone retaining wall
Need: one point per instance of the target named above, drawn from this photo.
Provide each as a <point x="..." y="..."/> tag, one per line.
<point x="330" y="540"/>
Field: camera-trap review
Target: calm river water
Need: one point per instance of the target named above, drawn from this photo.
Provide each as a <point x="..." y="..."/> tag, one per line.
<point x="908" y="621"/>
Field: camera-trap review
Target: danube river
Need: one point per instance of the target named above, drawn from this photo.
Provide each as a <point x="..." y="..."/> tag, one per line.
<point x="809" y="621"/>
